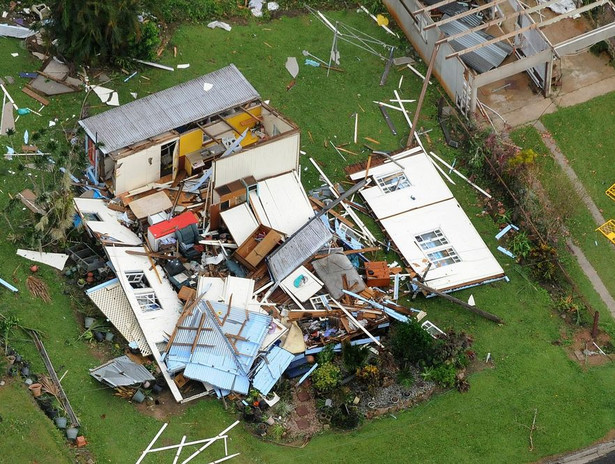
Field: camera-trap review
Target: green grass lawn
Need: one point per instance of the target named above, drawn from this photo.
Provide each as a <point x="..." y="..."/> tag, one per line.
<point x="487" y="424"/>
<point x="579" y="221"/>
<point x="27" y="434"/>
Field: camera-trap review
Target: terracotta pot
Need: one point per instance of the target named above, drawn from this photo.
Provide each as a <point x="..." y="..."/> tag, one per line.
<point x="36" y="389"/>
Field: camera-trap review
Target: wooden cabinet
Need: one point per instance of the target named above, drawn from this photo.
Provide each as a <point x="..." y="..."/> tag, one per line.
<point x="256" y="248"/>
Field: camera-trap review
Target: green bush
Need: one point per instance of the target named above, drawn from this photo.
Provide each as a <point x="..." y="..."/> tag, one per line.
<point x="346" y="418"/>
<point x="326" y="377"/>
<point x="192" y="10"/>
<point x="144" y="45"/>
<point x="326" y="355"/>
<point x="411" y="345"/>
<point x="444" y="374"/>
<point x="354" y="356"/>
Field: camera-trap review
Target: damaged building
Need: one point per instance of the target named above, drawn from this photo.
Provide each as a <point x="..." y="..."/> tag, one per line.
<point x="226" y="271"/>
<point x="477" y="48"/>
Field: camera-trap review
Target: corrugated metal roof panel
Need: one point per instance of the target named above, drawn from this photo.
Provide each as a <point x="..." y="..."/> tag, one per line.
<point x="271" y="369"/>
<point x="169" y="109"/>
<point x="216" y="359"/>
<point x="294" y="251"/>
<point x="482" y="59"/>
<point x="121" y="372"/>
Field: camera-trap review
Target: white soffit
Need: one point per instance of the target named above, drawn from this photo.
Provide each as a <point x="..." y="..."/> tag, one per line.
<point x="112" y="302"/>
<point x="57" y="260"/>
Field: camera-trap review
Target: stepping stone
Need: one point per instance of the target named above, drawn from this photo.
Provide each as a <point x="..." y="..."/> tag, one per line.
<point x="303" y="395"/>
<point x="302" y="411"/>
<point x="302" y="424"/>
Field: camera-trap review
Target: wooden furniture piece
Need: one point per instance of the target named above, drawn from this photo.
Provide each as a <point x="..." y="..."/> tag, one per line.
<point x="254" y="250"/>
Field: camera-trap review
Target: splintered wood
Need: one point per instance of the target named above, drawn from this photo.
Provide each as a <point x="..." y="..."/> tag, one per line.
<point x="38" y="288"/>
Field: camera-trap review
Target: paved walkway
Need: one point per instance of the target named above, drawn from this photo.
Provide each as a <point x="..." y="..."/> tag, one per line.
<point x="586" y="266"/>
<point x="601" y="453"/>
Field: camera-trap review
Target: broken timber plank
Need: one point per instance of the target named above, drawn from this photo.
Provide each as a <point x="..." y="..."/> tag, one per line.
<point x="387" y="118"/>
<point x="42" y="100"/>
<point x="474" y="309"/>
<point x="54" y="378"/>
<point x="333" y="212"/>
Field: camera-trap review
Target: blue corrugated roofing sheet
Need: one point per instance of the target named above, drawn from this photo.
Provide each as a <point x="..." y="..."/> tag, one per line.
<point x="227" y="345"/>
<point x="271" y="369"/>
<point x="169" y="109"/>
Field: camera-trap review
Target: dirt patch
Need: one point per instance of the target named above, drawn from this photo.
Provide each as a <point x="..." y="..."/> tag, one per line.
<point x="582" y="350"/>
<point x="161" y="406"/>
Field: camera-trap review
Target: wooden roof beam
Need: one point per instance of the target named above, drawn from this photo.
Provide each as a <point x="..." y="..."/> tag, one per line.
<point x="471" y="11"/>
<point x="499" y="20"/>
<point x="435" y="6"/>
<point x="539" y="25"/>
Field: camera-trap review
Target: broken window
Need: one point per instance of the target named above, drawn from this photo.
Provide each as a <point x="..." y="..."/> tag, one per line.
<point x="147" y="300"/>
<point x="166" y="158"/>
<point x="392" y="182"/>
<point x="91" y="217"/>
<point x="432" y="239"/>
<point x="137" y="279"/>
<point x="443" y="257"/>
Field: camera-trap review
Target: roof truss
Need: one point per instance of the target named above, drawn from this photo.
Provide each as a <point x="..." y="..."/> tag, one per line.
<point x="469" y="12"/>
<point x="538" y="25"/>
<point x="493" y="22"/>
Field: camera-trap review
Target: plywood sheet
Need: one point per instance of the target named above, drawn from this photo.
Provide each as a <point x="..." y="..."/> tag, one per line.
<point x="8" y="120"/>
<point x="151" y="204"/>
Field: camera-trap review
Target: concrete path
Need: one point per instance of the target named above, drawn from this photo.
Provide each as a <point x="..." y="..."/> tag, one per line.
<point x="584" y="263"/>
<point x="587" y="455"/>
<point x="560" y="159"/>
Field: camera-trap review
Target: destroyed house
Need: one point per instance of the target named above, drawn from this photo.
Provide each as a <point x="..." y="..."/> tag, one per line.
<point x="218" y="116"/>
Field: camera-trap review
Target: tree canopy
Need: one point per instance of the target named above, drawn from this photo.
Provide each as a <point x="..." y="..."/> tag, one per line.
<point x="102" y="31"/>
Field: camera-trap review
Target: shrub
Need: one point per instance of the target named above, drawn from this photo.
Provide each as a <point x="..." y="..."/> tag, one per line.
<point x="405" y="378"/>
<point x="326" y="377"/>
<point x="354" y="356"/>
<point x="410" y="345"/>
<point x="444" y="374"/>
<point x="144" y="45"/>
<point x="346" y="418"/>
<point x="192" y="10"/>
<point x="326" y="355"/>
<point x="520" y="245"/>
<point x="369" y="375"/>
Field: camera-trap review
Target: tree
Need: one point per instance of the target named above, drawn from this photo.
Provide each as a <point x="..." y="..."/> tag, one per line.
<point x="100" y="31"/>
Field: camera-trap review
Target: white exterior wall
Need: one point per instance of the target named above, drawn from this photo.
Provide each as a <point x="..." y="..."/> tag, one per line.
<point x="138" y="169"/>
<point x="266" y="160"/>
<point x="451" y="73"/>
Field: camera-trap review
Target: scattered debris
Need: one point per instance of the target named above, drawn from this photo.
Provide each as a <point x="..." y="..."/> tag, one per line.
<point x="122" y="372"/>
<point x="220" y="24"/>
<point x="38" y="288"/>
<point x="57" y="260"/>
